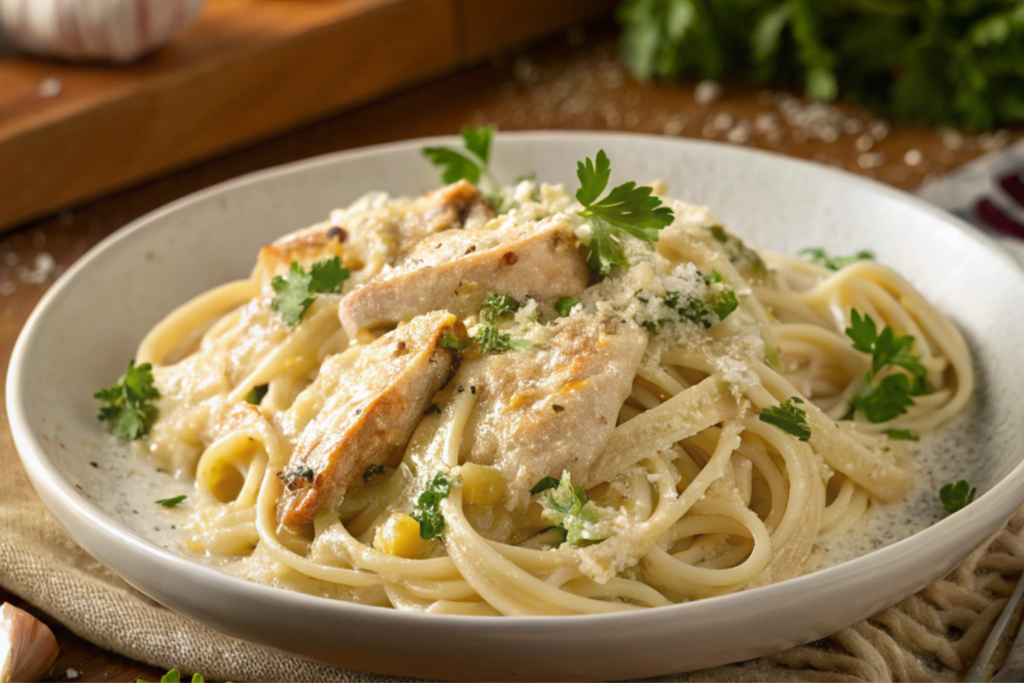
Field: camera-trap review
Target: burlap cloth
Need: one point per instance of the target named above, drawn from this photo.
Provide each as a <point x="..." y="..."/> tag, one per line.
<point x="933" y="635"/>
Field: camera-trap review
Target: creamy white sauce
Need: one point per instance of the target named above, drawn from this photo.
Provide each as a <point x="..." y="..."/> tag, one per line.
<point x="126" y="487"/>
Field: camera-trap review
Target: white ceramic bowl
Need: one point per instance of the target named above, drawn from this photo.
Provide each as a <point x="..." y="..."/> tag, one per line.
<point x="90" y="322"/>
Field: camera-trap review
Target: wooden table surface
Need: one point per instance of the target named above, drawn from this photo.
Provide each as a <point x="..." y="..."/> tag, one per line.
<point x="572" y="82"/>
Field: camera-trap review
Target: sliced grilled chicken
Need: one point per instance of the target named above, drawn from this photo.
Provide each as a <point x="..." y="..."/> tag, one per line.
<point x="552" y="409"/>
<point x="361" y="411"/>
<point x="372" y="233"/>
<point x="456" y="271"/>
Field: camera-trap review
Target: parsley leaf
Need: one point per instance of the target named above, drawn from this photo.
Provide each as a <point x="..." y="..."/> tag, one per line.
<point x="892" y="396"/>
<point x="452" y="343"/>
<point x="885" y="402"/>
<point x="787" y="417"/>
<point x="862" y="331"/>
<point x="171" y="502"/>
<point x="567" y="507"/>
<point x="956" y="496"/>
<point x="129" y="409"/>
<point x="478" y="141"/>
<point x="455" y="165"/>
<point x="902" y="435"/>
<point x="543" y="485"/>
<point x="627" y="209"/>
<point x="565" y="305"/>
<point x="428" y="507"/>
<point x="295" y="290"/>
<point x="327" y="276"/>
<point x="498" y="306"/>
<point x="256" y="394"/>
<point x="490" y="340"/>
<point x="373" y="471"/>
<point x="821" y="257"/>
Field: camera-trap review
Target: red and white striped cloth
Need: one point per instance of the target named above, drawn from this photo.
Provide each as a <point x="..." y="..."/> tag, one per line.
<point x="988" y="193"/>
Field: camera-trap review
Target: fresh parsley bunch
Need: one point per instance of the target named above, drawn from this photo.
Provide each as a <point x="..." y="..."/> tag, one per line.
<point x="937" y="62"/>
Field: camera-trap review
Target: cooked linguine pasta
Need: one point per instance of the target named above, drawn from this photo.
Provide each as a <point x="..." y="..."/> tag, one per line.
<point x="438" y="406"/>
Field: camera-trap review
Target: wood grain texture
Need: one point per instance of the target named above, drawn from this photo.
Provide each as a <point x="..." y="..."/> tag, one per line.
<point x="249" y="68"/>
<point x="563" y="87"/>
<point x="246" y="70"/>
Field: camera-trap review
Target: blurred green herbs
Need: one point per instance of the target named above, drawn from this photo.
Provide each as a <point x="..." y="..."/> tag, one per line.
<point x="936" y="62"/>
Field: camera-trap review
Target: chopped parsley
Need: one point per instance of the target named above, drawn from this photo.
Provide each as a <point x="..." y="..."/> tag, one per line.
<point x="891" y="397"/>
<point x="543" y="485"/>
<point x="787" y="417"/>
<point x="452" y="343"/>
<point x="171" y="502"/>
<point x="565" y="305"/>
<point x="902" y="435"/>
<point x="129" y="409"/>
<point x="716" y="307"/>
<point x="497" y="306"/>
<point x="626" y="210"/>
<point x="745" y="259"/>
<point x="567" y="507"/>
<point x="821" y="257"/>
<point x="373" y="471"/>
<point x="256" y="394"/>
<point x="490" y="340"/>
<point x="297" y="477"/>
<point x="428" y="507"/>
<point x="956" y="496"/>
<point x="295" y="290"/>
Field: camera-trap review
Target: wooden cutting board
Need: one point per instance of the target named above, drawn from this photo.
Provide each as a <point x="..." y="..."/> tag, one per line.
<point x="246" y="70"/>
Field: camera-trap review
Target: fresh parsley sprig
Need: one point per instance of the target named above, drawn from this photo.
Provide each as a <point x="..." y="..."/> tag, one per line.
<point x="821" y="257"/>
<point x="296" y="289"/>
<point x="891" y="397"/>
<point x="956" y="496"/>
<point x="129" y="411"/>
<point x="473" y="167"/>
<point x="788" y="417"/>
<point x="626" y="210"/>
<point x="428" y="507"/>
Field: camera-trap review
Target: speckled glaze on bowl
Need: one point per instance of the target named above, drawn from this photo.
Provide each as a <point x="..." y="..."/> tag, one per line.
<point x="93" y="318"/>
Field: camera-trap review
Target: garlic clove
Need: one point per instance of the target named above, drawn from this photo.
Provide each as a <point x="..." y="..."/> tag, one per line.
<point x="27" y="646"/>
<point x="118" y="31"/>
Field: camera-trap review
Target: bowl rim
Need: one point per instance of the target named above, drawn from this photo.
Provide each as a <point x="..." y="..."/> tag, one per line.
<point x="996" y="504"/>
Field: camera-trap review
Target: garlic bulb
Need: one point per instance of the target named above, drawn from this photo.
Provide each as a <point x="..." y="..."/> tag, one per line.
<point x="27" y="646"/>
<point x="96" y="30"/>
